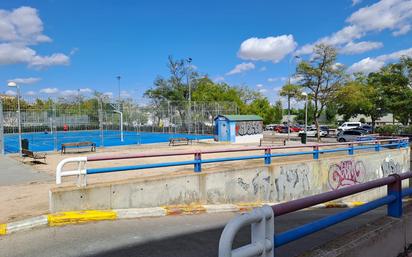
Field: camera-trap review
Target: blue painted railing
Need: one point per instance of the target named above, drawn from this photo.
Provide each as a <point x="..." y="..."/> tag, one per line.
<point x="268" y="240"/>
<point x="198" y="161"/>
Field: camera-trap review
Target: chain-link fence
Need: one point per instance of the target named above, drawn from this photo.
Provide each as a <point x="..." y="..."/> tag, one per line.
<point x="47" y="123"/>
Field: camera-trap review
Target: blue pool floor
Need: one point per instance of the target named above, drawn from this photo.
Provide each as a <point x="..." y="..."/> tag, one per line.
<point x="40" y="141"/>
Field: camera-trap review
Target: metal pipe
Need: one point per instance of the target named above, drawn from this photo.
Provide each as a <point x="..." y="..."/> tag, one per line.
<point x="307" y="229"/>
<point x="302" y="203"/>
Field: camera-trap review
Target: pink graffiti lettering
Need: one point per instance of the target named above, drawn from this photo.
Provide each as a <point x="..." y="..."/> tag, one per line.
<point x="346" y="173"/>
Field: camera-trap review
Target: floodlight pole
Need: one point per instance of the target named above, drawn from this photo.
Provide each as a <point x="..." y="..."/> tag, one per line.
<point x="14" y="84"/>
<point x="189" y="60"/>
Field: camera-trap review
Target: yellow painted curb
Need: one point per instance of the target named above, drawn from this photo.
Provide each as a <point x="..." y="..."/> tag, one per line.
<point x="3" y="229"/>
<point x="355" y="204"/>
<point x="248" y="206"/>
<point x="73" y="217"/>
<point x="184" y="209"/>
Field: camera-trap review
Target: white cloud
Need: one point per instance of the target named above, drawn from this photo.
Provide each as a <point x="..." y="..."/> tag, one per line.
<point x="108" y="94"/>
<point x="277" y="79"/>
<point x="49" y="90"/>
<point x="11" y="92"/>
<point x="47" y="61"/>
<point x="31" y="93"/>
<point x="19" y="29"/>
<point x="30" y="80"/>
<point x="259" y="85"/>
<point x="69" y="92"/>
<point x="369" y="64"/>
<point x="360" y="47"/>
<point x="263" y="90"/>
<point x="22" y="25"/>
<point x="245" y="66"/>
<point x="263" y="68"/>
<point x="85" y="90"/>
<point x="219" y="79"/>
<point x="295" y="79"/>
<point x="366" y="65"/>
<point x="355" y="2"/>
<point x="393" y="15"/>
<point x="385" y="14"/>
<point x="267" y="49"/>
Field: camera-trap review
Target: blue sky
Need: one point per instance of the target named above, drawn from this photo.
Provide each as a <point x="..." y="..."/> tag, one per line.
<point x="57" y="47"/>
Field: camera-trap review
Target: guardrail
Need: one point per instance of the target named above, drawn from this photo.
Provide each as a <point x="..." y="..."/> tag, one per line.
<point x="260" y="246"/>
<point x="81" y="171"/>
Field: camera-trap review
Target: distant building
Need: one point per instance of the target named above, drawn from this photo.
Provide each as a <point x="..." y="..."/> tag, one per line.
<point x="388" y="119"/>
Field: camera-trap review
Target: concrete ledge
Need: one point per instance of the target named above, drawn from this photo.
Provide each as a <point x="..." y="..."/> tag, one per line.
<point x="64" y="218"/>
<point x="27" y="224"/>
<point x="386" y="237"/>
<point x="3" y="229"/>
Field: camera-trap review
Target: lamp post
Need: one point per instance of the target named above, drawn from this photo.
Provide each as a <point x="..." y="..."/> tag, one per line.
<point x="189" y="61"/>
<point x="14" y="84"/>
<point x="118" y="85"/>
<point x="306" y="110"/>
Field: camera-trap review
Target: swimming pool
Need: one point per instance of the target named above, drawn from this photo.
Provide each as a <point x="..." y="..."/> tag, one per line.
<point x="40" y="141"/>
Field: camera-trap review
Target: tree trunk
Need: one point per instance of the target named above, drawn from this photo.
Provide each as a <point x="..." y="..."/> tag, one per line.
<point x="373" y="124"/>
<point x="317" y="128"/>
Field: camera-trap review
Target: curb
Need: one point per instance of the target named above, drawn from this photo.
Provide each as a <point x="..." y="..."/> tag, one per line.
<point x="79" y="217"/>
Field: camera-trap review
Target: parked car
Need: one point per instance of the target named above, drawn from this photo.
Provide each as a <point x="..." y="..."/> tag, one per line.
<point x="295" y="129"/>
<point x="312" y="132"/>
<point x="349" y="125"/>
<point x="350" y="135"/>
<point x="366" y="127"/>
<point x="282" y="129"/>
<point x="324" y="128"/>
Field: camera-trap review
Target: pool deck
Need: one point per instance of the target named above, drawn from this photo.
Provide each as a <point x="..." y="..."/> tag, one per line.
<point x="26" y="195"/>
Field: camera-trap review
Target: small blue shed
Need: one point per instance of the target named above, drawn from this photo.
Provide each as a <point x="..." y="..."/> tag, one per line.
<point x="238" y="128"/>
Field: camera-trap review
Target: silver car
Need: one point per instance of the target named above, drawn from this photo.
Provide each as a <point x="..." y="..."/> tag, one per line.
<point x="349" y="135"/>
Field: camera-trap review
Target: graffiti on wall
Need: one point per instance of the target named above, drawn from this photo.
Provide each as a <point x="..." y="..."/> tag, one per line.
<point x="292" y="182"/>
<point x="389" y="166"/>
<point x="260" y="183"/>
<point x="346" y="173"/>
<point x="244" y="128"/>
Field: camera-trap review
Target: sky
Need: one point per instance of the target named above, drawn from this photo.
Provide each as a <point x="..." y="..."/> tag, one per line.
<point x="61" y="47"/>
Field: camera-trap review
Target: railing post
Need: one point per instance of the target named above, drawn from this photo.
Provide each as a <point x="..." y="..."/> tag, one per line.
<point x="198" y="162"/>
<point x="263" y="232"/>
<point x="377" y="146"/>
<point x="316" y="152"/>
<point x="268" y="158"/>
<point x="351" y="149"/>
<point x="398" y="146"/>
<point x="395" y="189"/>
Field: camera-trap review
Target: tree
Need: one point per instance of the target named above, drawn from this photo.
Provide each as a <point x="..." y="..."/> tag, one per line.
<point x="322" y="77"/>
<point x="262" y="107"/>
<point x="278" y="115"/>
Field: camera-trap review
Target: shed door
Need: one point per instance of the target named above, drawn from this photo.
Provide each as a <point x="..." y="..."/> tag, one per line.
<point x="224" y="131"/>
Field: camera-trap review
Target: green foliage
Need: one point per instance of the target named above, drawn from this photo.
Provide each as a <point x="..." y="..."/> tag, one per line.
<point x="388" y="130"/>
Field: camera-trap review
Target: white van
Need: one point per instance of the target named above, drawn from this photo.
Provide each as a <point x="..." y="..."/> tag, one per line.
<point x="349" y="125"/>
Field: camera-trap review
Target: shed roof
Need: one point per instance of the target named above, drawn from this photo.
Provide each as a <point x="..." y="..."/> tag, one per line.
<point x="241" y="117"/>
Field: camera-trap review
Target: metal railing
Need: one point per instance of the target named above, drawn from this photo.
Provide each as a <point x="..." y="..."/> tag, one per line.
<point x="316" y="149"/>
<point x="393" y="200"/>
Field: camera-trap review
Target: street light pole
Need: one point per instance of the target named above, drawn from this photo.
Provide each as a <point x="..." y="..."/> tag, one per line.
<point x="118" y="85"/>
<point x="14" y="84"/>
<point x="189" y="60"/>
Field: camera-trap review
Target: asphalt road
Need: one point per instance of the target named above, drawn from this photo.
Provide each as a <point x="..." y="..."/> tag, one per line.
<point x="171" y="236"/>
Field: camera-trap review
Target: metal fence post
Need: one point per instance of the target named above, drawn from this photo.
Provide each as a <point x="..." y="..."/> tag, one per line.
<point x="377" y="146"/>
<point x="263" y="232"/>
<point x="262" y="241"/>
<point x="198" y="162"/>
<point x="268" y="158"/>
<point x="1" y="129"/>
<point x="395" y="189"/>
<point x="351" y="149"/>
<point x="316" y="152"/>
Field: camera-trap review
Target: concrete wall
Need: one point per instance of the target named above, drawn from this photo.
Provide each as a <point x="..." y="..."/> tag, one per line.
<point x="263" y="183"/>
